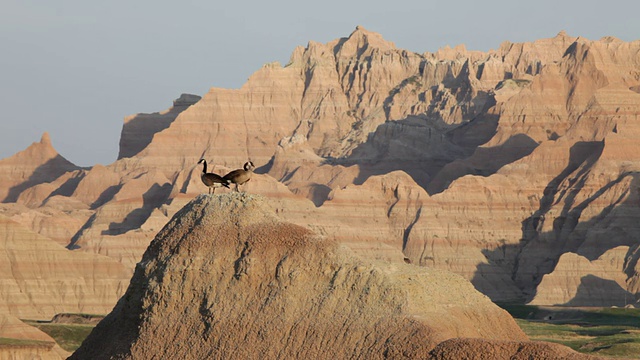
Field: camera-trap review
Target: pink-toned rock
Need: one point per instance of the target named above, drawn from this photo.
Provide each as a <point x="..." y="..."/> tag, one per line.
<point x="37" y="164"/>
<point x="527" y="154"/>
<point x="138" y="130"/>
<point x="576" y="281"/>
<point x="58" y="221"/>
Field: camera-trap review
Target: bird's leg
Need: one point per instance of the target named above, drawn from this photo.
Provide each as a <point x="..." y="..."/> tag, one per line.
<point x="236" y="187"/>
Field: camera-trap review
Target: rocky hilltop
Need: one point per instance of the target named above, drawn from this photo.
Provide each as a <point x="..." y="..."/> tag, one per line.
<point x="516" y="168"/>
<point x="226" y="278"/>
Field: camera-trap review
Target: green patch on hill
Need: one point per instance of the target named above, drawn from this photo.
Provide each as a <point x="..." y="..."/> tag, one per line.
<point x="68" y="330"/>
<point x="612" y="332"/>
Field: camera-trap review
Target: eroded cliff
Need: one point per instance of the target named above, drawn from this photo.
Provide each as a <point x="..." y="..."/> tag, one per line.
<point x="515" y="168"/>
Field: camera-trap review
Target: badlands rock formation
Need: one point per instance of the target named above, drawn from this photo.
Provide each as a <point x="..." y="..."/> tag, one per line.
<point x="38" y="164"/>
<point x="138" y="130"/>
<point x="226" y="278"/>
<point x="516" y="168"/>
<point x="39" y="278"/>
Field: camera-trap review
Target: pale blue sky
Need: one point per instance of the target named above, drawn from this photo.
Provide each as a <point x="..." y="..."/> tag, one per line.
<point x="77" y="68"/>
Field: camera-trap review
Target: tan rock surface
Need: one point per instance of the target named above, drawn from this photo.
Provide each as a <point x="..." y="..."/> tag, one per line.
<point x="244" y="284"/>
<point x="55" y="221"/>
<point x="138" y="130"/>
<point x="504" y="350"/>
<point x="39" y="278"/>
<point x="527" y="154"/>
<point x="576" y="281"/>
<point x="318" y="93"/>
<point x="563" y="195"/>
<point x="39" y="163"/>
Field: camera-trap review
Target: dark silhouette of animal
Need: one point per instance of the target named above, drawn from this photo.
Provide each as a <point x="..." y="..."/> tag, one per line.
<point x="240" y="176"/>
<point x="211" y="180"/>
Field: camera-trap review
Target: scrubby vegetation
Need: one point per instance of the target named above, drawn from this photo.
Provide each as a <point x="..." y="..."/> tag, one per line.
<point x="611" y="332"/>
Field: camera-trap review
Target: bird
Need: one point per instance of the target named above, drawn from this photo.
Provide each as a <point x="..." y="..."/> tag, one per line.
<point x="211" y="180"/>
<point x="240" y="176"/>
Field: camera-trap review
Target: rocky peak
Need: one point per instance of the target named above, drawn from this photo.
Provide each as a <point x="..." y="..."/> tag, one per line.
<point x="39" y="152"/>
<point x="186" y="100"/>
<point x="236" y="277"/>
<point x="38" y="163"/>
<point x="46" y="140"/>
<point x="362" y="41"/>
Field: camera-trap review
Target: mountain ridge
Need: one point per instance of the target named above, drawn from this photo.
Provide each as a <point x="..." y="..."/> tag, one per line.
<point x="494" y="165"/>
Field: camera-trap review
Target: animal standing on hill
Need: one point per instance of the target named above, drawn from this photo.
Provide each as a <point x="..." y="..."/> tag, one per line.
<point x="240" y="176"/>
<point x="211" y="180"/>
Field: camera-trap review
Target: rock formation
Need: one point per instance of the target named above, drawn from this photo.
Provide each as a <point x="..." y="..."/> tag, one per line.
<point x="138" y="130"/>
<point x="37" y="164"/>
<point x="226" y="278"/>
<point x="516" y="168"/>
<point x="39" y="278"/>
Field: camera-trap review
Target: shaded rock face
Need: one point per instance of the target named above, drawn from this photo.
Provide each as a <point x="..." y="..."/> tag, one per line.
<point x="227" y="279"/>
<point x="138" y="130"/>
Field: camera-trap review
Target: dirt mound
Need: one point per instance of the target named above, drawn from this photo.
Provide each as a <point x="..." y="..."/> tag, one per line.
<point x="462" y="349"/>
<point x="228" y="279"/>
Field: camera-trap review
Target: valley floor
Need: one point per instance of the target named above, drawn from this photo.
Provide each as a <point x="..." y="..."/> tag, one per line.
<point x="609" y="332"/>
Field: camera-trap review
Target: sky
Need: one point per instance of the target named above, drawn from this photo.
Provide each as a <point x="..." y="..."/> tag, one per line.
<point x="76" y="68"/>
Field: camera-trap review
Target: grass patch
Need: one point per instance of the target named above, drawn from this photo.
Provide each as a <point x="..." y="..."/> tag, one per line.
<point x="68" y="336"/>
<point x="611" y="332"/>
<point x="614" y="341"/>
<point x="24" y="342"/>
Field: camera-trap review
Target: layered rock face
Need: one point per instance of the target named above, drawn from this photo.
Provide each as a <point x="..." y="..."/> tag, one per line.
<point x="226" y="278"/>
<point x="39" y="278"/>
<point x="39" y="163"/>
<point x="138" y="130"/>
<point x="318" y="95"/>
<point x="515" y="168"/>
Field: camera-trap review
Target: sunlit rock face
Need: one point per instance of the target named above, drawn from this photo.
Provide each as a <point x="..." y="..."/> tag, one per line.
<point x="40" y="278"/>
<point x="516" y="168"/>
